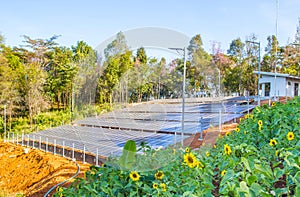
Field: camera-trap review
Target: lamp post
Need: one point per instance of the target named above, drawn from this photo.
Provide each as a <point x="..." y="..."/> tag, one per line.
<point x="258" y="95"/>
<point x="183" y="90"/>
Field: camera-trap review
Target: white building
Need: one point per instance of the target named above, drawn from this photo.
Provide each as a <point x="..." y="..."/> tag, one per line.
<point x="277" y="84"/>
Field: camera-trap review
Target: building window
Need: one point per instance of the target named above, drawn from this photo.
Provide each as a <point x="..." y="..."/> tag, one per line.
<point x="267" y="89"/>
<point x="296" y="89"/>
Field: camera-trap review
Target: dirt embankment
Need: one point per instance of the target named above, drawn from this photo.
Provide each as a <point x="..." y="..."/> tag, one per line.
<point x="32" y="172"/>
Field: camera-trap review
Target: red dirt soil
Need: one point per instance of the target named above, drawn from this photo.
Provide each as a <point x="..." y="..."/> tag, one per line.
<point x="32" y="173"/>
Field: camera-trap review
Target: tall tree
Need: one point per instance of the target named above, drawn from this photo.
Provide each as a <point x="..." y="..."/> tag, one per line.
<point x="198" y="66"/>
<point x="271" y="56"/>
<point x="85" y="83"/>
<point x="236" y="53"/>
<point x="61" y="75"/>
<point x="117" y="62"/>
<point x="141" y="57"/>
<point x="116" y="47"/>
<point x="291" y="55"/>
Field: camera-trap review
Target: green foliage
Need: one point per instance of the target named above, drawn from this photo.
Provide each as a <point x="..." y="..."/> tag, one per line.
<point x="253" y="167"/>
<point x="127" y="158"/>
<point x="141" y="56"/>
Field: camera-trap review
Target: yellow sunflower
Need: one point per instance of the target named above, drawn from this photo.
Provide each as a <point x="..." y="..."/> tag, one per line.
<point x="237" y="129"/>
<point x="59" y="189"/>
<point x="277" y="153"/>
<point x="159" y="175"/>
<point x="155" y="185"/>
<point x="190" y="160"/>
<point x="200" y="165"/>
<point x="187" y="149"/>
<point x="223" y="172"/>
<point x="134" y="176"/>
<point x="273" y="142"/>
<point x="273" y="104"/>
<point x="227" y="149"/>
<point x="290" y="136"/>
<point x="207" y="154"/>
<point x="260" y="123"/>
<point x="163" y="187"/>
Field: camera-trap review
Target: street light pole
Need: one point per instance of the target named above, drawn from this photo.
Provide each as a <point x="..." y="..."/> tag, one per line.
<point x="183" y="90"/>
<point x="258" y="95"/>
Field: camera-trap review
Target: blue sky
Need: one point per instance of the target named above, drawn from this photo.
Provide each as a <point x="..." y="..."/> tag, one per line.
<point x="94" y="21"/>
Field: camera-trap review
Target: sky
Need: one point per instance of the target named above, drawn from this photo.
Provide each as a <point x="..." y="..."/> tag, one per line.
<point x="94" y="21"/>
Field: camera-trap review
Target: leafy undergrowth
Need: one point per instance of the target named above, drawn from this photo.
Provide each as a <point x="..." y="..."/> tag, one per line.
<point x="260" y="158"/>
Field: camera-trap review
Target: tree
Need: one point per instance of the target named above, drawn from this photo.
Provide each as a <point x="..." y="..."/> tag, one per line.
<point x="61" y="75"/>
<point x="33" y="83"/>
<point x="141" y="57"/>
<point x="116" y="47"/>
<point x="39" y="48"/>
<point x="271" y="56"/>
<point x="198" y="66"/>
<point x="84" y="85"/>
<point x="118" y="61"/>
<point x="9" y="94"/>
<point x="291" y="55"/>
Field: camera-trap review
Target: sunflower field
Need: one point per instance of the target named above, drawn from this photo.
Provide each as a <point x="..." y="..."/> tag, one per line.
<point x="260" y="158"/>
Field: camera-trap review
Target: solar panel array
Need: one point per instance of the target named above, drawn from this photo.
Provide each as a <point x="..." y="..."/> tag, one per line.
<point x="107" y="141"/>
<point x="157" y="123"/>
<point x="166" y="118"/>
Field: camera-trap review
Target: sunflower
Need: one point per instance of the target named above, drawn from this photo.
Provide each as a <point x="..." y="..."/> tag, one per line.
<point x="190" y="160"/>
<point x="163" y="187"/>
<point x="273" y="104"/>
<point x="59" y="189"/>
<point x="223" y="172"/>
<point x="155" y="185"/>
<point x="273" y="142"/>
<point x="159" y="175"/>
<point x="260" y="123"/>
<point x="290" y="136"/>
<point x="227" y="149"/>
<point x="237" y="129"/>
<point x="207" y="154"/>
<point x="215" y="146"/>
<point x="200" y="165"/>
<point x="187" y="149"/>
<point x="277" y="153"/>
<point x="134" y="176"/>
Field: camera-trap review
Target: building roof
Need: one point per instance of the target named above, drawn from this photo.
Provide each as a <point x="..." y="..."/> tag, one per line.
<point x="277" y="75"/>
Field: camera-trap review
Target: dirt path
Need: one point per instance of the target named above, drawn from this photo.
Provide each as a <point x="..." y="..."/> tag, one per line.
<point x="34" y="172"/>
